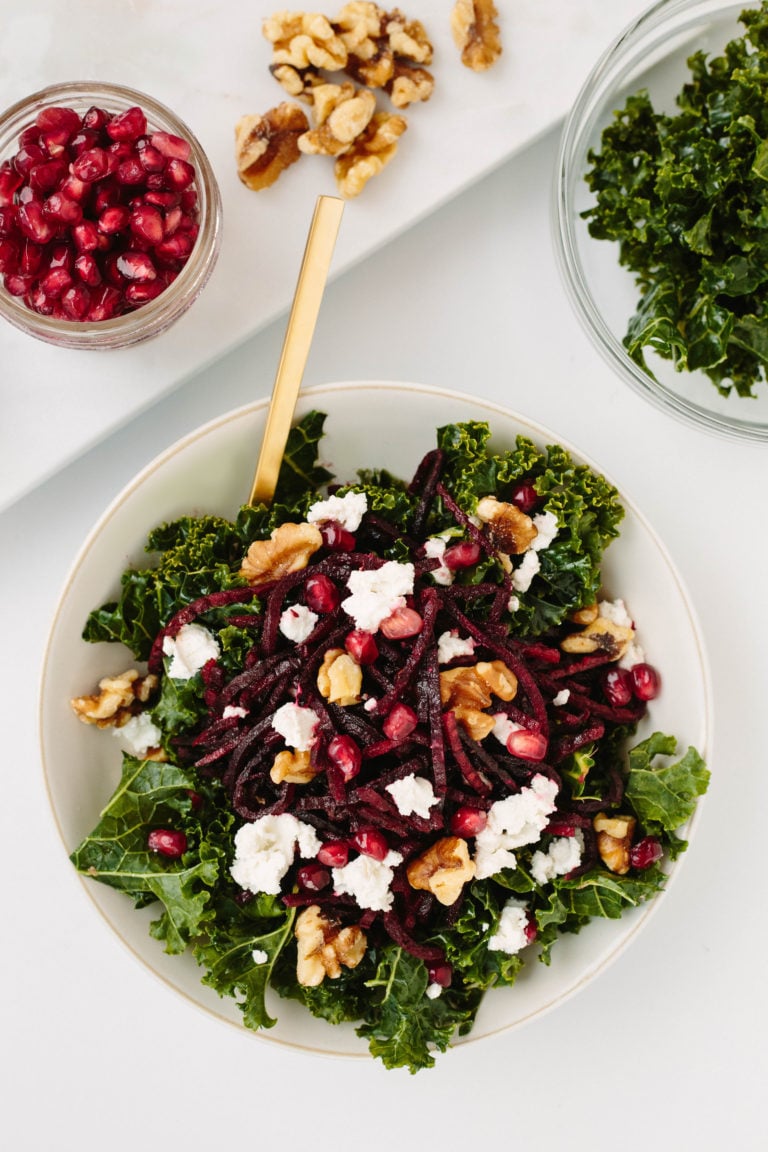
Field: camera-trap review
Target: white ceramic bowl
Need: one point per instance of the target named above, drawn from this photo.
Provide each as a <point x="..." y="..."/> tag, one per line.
<point x="211" y="471"/>
<point x="650" y="54"/>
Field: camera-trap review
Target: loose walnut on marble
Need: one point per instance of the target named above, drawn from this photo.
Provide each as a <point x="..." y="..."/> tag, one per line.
<point x="287" y="550"/>
<point x="342" y="112"/>
<point x="266" y="145"/>
<point x="304" y="40"/>
<point x="369" y="154"/>
<point x="443" y="869"/>
<point x="117" y="699"/>
<point x="323" y="947"/>
<point x="476" y="33"/>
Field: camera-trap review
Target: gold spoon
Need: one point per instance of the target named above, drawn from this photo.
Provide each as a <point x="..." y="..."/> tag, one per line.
<point x="298" y="337"/>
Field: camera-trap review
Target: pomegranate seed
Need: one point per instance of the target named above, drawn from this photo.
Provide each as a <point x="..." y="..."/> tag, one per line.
<point x="18" y="285"/>
<point x="8" y="222"/>
<point x="468" y="821"/>
<point x="618" y="686"/>
<point x="88" y="270"/>
<point x="57" y="119"/>
<point x="195" y="800"/>
<point x="167" y="842"/>
<point x="151" y="159"/>
<point x="646" y="681"/>
<point x="33" y="223"/>
<point x="189" y="199"/>
<point x="346" y="755"/>
<point x="128" y="125"/>
<point x="170" y="146"/>
<point x="530" y="930"/>
<point x="176" y="247"/>
<point x="164" y="200"/>
<point x="55" y="282"/>
<point x="26" y="194"/>
<point x="560" y="827"/>
<point x="441" y="974"/>
<point x="114" y="219"/>
<point x="39" y="302"/>
<point x="76" y="301"/>
<point x="400" y="722"/>
<point x="646" y="852"/>
<point x="85" y="236"/>
<point x="313" y="877"/>
<point x="525" y="497"/>
<point x="136" y="266"/>
<point x="401" y="624"/>
<point x="93" y="164"/>
<point x="171" y="223"/>
<point x="74" y="188"/>
<point x="47" y="176"/>
<point x="29" y="135"/>
<point x="462" y="555"/>
<point x="104" y="304"/>
<point x="179" y="174"/>
<point x="321" y="594"/>
<point x="130" y="171"/>
<point x="95" y="118"/>
<point x="10" y="181"/>
<point x="86" y="138"/>
<point x="107" y="196"/>
<point x="527" y="745"/>
<point x="361" y="646"/>
<point x="31" y="258"/>
<point x="9" y="257"/>
<point x="63" y="210"/>
<point x="54" y="143"/>
<point x="26" y="158"/>
<point x="334" y="853"/>
<point x="371" y="842"/>
<point x="60" y="256"/>
<point x="142" y="291"/>
<point x="147" y="222"/>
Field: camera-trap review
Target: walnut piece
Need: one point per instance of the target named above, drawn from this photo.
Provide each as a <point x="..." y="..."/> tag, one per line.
<point x="601" y="635"/>
<point x="614" y="840"/>
<point x="292" y="767"/>
<point x="323" y="947"/>
<point x="266" y="145"/>
<point x="304" y="40"/>
<point x="476" y="33"/>
<point x="117" y="699"/>
<point x="342" y="112"/>
<point x="508" y="529"/>
<point x="340" y="678"/>
<point x="500" y="679"/>
<point x="443" y="869"/>
<point x="464" y="688"/>
<point x="409" y="85"/>
<point x="287" y="550"/>
<point x="369" y="154"/>
<point x="408" y="38"/>
<point x="584" y="615"/>
<point x="476" y="723"/>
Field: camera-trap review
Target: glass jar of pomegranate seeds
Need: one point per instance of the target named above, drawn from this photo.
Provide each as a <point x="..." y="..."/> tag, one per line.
<point x="110" y="216"/>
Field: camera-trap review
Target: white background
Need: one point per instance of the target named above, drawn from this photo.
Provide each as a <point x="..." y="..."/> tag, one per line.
<point x="666" y="1050"/>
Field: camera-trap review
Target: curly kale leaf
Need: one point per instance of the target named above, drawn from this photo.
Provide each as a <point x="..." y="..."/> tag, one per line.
<point x="664" y="793"/>
<point x="466" y="941"/>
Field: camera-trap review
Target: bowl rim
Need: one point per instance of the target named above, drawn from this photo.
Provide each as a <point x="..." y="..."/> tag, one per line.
<point x="589" y="108"/>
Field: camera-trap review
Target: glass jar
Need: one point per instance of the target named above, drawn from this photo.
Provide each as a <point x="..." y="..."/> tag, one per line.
<point x="155" y="315"/>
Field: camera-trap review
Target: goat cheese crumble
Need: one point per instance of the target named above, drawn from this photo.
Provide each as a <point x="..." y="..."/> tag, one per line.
<point x="434" y="549"/>
<point x="562" y="856"/>
<point x="347" y="510"/>
<point x="233" y="711"/>
<point x="562" y="697"/>
<point x="510" y="936"/>
<point x="265" y="850"/>
<point x="525" y="571"/>
<point x="296" y="725"/>
<point x="503" y="727"/>
<point x="450" y="645"/>
<point x="377" y="592"/>
<point x="259" y="956"/>
<point x="297" y="623"/>
<point x="513" y="822"/>
<point x="412" y="795"/>
<point x="368" y="881"/>
<point x="545" y="524"/>
<point x="190" y="649"/>
<point x="138" y="735"/>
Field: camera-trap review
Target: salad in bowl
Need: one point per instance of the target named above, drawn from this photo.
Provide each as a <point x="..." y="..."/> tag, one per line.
<point x="380" y="740"/>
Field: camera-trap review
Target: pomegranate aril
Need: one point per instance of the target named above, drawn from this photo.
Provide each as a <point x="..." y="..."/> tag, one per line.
<point x="164" y="200"/>
<point x="62" y="210"/>
<point x="85" y="236"/>
<point x="56" y="119"/>
<point x="401" y="624"/>
<point x="60" y="256"/>
<point x="335" y="537"/>
<point x="558" y="826"/>
<point x="176" y="247"/>
<point x="29" y="135"/>
<point x="107" y="196"/>
<point x="34" y="224"/>
<point x="39" y="302"/>
<point x="141" y="292"/>
<point x="55" y="282"/>
<point x="618" y="687"/>
<point x="114" y="219"/>
<point x="170" y="146"/>
<point x="105" y="303"/>
<point x="361" y="646"/>
<point x="462" y="555"/>
<point x="172" y="221"/>
<point x="531" y="931"/>
<point x="93" y="164"/>
<point x="86" y="138"/>
<point x="76" y="301"/>
<point x="167" y="842"/>
<point x="10" y="181"/>
<point x="87" y="268"/>
<point x="54" y="143"/>
<point x="136" y="266"/>
<point x="645" y="853"/>
<point x="95" y="118"/>
<point x="128" y="125"/>
<point x="46" y="176"/>
<point x="151" y="159"/>
<point x="645" y="681"/>
<point x="400" y="722"/>
<point x="468" y="821"/>
<point x="147" y="222"/>
<point x="527" y="745"/>
<point x="9" y="256"/>
<point x="346" y="755"/>
<point x="333" y="853"/>
<point x="525" y="497"/>
<point x="130" y="172"/>
<point x="441" y="974"/>
<point x="189" y="199"/>
<point x="74" y="188"/>
<point x="9" y="225"/>
<point x="371" y="843"/>
<point x="18" y="284"/>
<point x="27" y="158"/>
<point x="179" y="174"/>
<point x="321" y="594"/>
<point x="31" y="259"/>
<point x="313" y="877"/>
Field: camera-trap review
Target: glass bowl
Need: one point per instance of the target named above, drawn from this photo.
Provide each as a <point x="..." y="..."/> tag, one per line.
<point x="650" y="54"/>
<point x="154" y="316"/>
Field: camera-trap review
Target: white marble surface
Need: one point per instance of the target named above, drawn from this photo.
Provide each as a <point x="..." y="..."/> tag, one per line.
<point x="209" y="62"/>
<point x="666" y="1050"/>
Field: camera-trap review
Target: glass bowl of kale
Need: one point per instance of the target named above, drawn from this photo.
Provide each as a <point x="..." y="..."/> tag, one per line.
<point x="661" y="211"/>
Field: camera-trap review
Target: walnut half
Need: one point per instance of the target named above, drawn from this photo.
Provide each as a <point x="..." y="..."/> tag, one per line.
<point x="600" y="635"/>
<point x="117" y="699"/>
<point x="443" y="869"/>
<point x="323" y="947"/>
<point x="369" y="154"/>
<point x="614" y="840"/>
<point x="266" y="145"/>
<point x="476" y="33"/>
<point x="287" y="550"/>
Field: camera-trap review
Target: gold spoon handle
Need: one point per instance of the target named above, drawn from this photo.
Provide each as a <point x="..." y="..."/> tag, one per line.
<point x="298" y="337"/>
